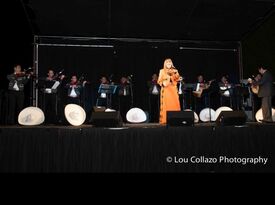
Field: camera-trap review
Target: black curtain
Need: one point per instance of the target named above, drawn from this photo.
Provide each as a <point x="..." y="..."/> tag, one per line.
<point x="139" y="60"/>
<point x="59" y="149"/>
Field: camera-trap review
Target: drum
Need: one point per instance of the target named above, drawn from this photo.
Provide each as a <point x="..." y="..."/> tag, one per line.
<point x="259" y="115"/>
<point x="219" y="110"/>
<point x="196" y="117"/>
<point x="206" y="114"/>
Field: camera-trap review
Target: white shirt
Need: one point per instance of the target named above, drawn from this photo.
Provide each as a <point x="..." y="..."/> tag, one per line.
<point x="73" y="93"/>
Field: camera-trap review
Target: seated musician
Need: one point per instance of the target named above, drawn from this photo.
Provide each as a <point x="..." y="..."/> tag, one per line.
<point x="226" y="91"/>
<point x="102" y="98"/>
<point x="124" y="97"/>
<point x="200" y="97"/>
<point x="74" y="90"/>
<point x="154" y="93"/>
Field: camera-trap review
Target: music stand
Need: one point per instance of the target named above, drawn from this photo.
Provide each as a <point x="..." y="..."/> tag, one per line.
<point x="189" y="87"/>
<point x="109" y="90"/>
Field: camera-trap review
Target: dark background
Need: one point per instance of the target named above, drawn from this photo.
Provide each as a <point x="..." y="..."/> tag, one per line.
<point x="201" y="23"/>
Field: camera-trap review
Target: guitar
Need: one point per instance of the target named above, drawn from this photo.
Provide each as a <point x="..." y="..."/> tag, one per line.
<point x="199" y="90"/>
<point x="254" y="88"/>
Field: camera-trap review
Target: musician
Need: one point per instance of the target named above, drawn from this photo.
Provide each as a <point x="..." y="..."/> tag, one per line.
<point x="50" y="86"/>
<point x="154" y="93"/>
<point x="226" y="91"/>
<point x="169" y="98"/>
<point x="74" y="89"/>
<point x="102" y="98"/>
<point x="17" y="81"/>
<point x="124" y="97"/>
<point x="201" y="99"/>
<point x="256" y="100"/>
<point x="265" y="92"/>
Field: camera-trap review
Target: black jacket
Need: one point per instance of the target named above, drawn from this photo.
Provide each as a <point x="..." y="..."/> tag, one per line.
<point x="21" y="81"/>
<point x="124" y="90"/>
<point x="265" y="85"/>
<point x="77" y="89"/>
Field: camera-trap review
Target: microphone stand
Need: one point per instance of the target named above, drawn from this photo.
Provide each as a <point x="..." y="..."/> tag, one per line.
<point x="131" y="90"/>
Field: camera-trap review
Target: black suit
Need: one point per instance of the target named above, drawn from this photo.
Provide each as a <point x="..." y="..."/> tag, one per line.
<point x="266" y="93"/>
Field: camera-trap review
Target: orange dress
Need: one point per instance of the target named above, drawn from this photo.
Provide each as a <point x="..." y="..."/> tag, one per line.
<point x="169" y="98"/>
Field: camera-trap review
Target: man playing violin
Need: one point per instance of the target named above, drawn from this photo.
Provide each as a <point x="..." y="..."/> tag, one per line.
<point x="50" y="86"/>
<point x="74" y="90"/>
<point x="17" y="82"/>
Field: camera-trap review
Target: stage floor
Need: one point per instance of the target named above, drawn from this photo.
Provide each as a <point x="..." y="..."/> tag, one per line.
<point x="127" y="125"/>
<point x="136" y="148"/>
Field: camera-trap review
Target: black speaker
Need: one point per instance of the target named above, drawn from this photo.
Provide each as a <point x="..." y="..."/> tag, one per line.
<point x="106" y="119"/>
<point x="231" y="118"/>
<point x="180" y="118"/>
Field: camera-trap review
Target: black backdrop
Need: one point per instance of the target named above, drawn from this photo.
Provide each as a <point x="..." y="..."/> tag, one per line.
<point x="138" y="60"/>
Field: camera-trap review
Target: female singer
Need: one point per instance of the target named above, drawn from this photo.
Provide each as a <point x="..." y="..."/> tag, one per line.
<point x="169" y="98"/>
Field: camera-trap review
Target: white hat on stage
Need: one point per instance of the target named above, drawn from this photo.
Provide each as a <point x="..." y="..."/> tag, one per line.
<point x="136" y="115"/>
<point x="196" y="117"/>
<point x="31" y="116"/>
<point x="219" y="110"/>
<point x="75" y="114"/>
<point x="206" y="113"/>
<point x="259" y="115"/>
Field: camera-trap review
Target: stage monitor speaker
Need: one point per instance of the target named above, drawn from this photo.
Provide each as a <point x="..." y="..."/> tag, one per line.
<point x="180" y="118"/>
<point x="231" y="118"/>
<point x="106" y="119"/>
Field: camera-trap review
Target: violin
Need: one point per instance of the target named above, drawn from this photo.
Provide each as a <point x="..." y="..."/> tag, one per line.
<point x="21" y="74"/>
<point x="25" y="73"/>
<point x="171" y="72"/>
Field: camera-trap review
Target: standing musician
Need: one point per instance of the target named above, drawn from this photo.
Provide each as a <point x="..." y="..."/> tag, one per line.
<point x="124" y="97"/>
<point x="169" y="98"/>
<point x="255" y="91"/>
<point x="102" y="98"/>
<point x="265" y="92"/>
<point x="74" y="90"/>
<point x="49" y="87"/>
<point x="17" y="81"/>
<point x="154" y="93"/>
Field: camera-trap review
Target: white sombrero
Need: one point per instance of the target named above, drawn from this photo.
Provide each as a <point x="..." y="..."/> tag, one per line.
<point x="136" y="115"/>
<point x="259" y="115"/>
<point x="196" y="117"/>
<point x="205" y="115"/>
<point x="31" y="116"/>
<point x="219" y="110"/>
<point x="75" y="114"/>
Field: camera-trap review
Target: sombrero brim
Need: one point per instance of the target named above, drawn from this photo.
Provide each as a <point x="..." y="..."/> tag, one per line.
<point x="75" y="114"/>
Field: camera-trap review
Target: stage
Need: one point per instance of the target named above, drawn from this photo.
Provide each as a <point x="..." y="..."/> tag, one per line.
<point x="136" y="148"/>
